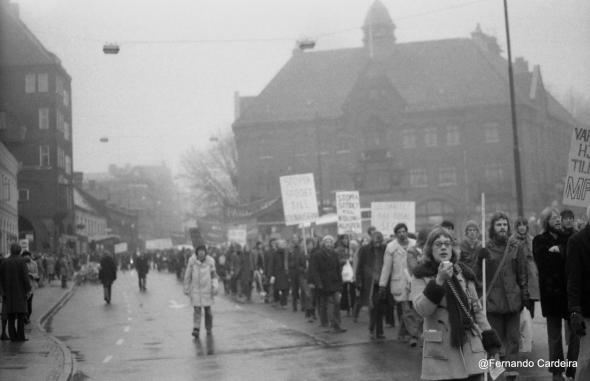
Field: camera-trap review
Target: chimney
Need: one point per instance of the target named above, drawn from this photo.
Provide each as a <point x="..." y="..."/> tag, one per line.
<point x="485" y="42"/>
<point x="520" y="66"/>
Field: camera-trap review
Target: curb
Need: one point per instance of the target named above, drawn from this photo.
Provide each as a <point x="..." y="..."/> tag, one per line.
<point x="69" y="364"/>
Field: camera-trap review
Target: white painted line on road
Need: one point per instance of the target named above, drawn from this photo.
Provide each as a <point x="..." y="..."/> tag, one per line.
<point x="107" y="359"/>
<point x="126" y="329"/>
<point x="119" y="342"/>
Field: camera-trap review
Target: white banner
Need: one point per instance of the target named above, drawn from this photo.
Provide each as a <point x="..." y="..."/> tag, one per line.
<point x="348" y="208"/>
<point x="385" y="215"/>
<point x="238" y="234"/>
<point x="577" y="181"/>
<point x="159" y="244"/>
<point x="120" y="247"/>
<point x="300" y="204"/>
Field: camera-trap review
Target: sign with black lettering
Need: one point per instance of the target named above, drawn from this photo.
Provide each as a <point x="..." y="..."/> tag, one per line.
<point x="348" y="209"/>
<point x="300" y="204"/>
<point x="577" y="181"/>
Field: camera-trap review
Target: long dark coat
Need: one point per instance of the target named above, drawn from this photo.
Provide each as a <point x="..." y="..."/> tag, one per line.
<point x="552" y="278"/>
<point x="325" y="270"/>
<point x="365" y="276"/>
<point x="108" y="270"/>
<point x="280" y="265"/>
<point x="14" y="284"/>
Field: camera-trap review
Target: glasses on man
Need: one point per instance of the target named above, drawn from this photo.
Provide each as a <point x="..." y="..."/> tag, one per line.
<point x="440" y="244"/>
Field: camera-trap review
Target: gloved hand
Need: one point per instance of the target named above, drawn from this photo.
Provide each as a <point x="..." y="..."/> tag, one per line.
<point x="577" y="324"/>
<point x="382" y="295"/>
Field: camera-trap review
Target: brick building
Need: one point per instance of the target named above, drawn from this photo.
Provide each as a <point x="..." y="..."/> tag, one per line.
<point x="35" y="93"/>
<point x="421" y="121"/>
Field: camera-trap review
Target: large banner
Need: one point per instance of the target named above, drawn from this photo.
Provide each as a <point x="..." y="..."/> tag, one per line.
<point x="238" y="234"/>
<point x="300" y="205"/>
<point x="348" y="208"/>
<point x="577" y="181"/>
<point x="159" y="244"/>
<point x="385" y="215"/>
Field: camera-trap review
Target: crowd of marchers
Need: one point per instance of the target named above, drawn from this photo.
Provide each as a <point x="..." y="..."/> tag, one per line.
<point x="431" y="283"/>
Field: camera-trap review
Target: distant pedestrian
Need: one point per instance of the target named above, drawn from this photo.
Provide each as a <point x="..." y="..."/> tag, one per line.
<point x="107" y="274"/>
<point x="33" y="272"/>
<point x="15" y="288"/>
<point x="201" y="285"/>
<point x="470" y="245"/>
<point x="142" y="267"/>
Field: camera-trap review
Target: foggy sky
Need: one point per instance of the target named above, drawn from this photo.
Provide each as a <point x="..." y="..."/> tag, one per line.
<point x="162" y="94"/>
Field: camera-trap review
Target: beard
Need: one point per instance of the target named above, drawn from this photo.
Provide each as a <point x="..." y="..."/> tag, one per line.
<point x="553" y="229"/>
<point x="501" y="238"/>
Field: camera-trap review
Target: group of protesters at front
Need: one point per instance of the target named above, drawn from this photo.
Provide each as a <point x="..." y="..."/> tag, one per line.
<point x="433" y="281"/>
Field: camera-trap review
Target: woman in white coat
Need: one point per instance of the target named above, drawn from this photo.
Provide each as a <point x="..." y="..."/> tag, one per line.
<point x="201" y="285"/>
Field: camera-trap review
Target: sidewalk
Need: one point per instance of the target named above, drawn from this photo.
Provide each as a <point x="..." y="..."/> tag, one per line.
<point x="42" y="357"/>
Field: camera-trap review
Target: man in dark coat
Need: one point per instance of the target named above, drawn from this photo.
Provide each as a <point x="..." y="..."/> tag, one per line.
<point x="578" y="295"/>
<point x="279" y="275"/>
<point x="296" y="268"/>
<point x="142" y="267"/>
<point x="15" y="288"/>
<point x="107" y="274"/>
<point x="368" y="272"/>
<point x="326" y="276"/>
<point x="549" y="251"/>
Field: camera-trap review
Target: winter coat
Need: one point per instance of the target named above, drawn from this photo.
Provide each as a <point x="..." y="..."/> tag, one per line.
<point x="200" y="281"/>
<point x="441" y="360"/>
<point x="279" y="269"/>
<point x="511" y="287"/>
<point x="552" y="277"/>
<point x="325" y="271"/>
<point x="247" y="267"/>
<point x="395" y="270"/>
<point x="533" y="273"/>
<point x="33" y="271"/>
<point x="14" y="285"/>
<point x="108" y="270"/>
<point x="368" y="270"/>
<point x="141" y="265"/>
<point x="296" y="262"/>
<point x="578" y="268"/>
<point x="469" y="252"/>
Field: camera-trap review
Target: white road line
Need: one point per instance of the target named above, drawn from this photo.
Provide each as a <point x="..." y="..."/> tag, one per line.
<point x="119" y="342"/>
<point x="126" y="329"/>
<point x="107" y="359"/>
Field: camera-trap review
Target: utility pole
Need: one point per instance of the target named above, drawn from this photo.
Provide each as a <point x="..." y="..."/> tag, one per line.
<point x="516" y="149"/>
<point x="319" y="149"/>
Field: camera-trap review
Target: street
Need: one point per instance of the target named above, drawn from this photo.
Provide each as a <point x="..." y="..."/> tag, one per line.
<point x="146" y="336"/>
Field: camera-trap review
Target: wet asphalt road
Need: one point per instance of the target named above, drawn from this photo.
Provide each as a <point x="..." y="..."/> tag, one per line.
<point x="146" y="336"/>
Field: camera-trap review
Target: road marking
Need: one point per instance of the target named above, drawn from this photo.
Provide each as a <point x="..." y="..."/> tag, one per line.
<point x="119" y="342"/>
<point x="107" y="359"/>
<point x="126" y="329"/>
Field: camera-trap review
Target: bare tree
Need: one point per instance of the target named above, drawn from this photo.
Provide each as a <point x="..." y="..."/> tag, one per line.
<point x="213" y="173"/>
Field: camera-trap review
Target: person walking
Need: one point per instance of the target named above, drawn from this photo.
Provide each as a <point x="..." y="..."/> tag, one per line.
<point x="549" y="251"/>
<point x="107" y="274"/>
<point x="15" y="288"/>
<point x="33" y="271"/>
<point x="279" y="277"/>
<point x="142" y="267"/>
<point x="457" y="334"/>
<point x="507" y="286"/>
<point x="578" y="295"/>
<point x="201" y="285"/>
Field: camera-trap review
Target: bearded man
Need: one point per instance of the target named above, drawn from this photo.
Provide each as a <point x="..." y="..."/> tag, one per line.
<point x="507" y="286"/>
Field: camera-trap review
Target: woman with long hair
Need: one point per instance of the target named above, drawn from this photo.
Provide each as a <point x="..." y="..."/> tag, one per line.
<point x="456" y="334"/>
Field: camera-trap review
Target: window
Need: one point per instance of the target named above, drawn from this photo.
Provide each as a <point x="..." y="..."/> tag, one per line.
<point x="492" y="133"/>
<point x="30" y="83"/>
<point x="44" y="156"/>
<point x="61" y="158"/>
<point x="42" y="82"/>
<point x="430" y="137"/>
<point x="66" y="98"/>
<point x="66" y="131"/>
<point x="494" y="173"/>
<point x="23" y="194"/>
<point x="5" y="191"/>
<point x="68" y="165"/>
<point x="59" y="120"/>
<point x="59" y="85"/>
<point x="44" y="118"/>
<point x="409" y="139"/>
<point x="418" y="178"/>
<point x="453" y="137"/>
<point x="447" y="176"/>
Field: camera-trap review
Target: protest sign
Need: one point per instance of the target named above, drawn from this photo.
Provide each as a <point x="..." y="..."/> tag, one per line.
<point x="577" y="181"/>
<point x="120" y="247"/>
<point x="300" y="205"/>
<point x="238" y="234"/>
<point x="348" y="208"/>
<point x="385" y="215"/>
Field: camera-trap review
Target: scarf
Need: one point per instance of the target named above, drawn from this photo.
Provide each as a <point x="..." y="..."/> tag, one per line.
<point x="458" y="320"/>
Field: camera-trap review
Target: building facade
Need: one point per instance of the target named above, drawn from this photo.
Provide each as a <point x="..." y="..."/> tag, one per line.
<point x="8" y="200"/>
<point x="91" y="225"/>
<point x="35" y="90"/>
<point x="422" y="121"/>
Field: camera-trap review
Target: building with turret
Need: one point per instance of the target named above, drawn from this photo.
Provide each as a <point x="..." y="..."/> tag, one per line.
<point x="424" y="121"/>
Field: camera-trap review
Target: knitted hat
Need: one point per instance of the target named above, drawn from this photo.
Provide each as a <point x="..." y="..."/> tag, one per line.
<point x="471" y="224"/>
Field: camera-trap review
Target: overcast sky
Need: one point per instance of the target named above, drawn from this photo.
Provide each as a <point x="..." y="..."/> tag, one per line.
<point x="166" y="91"/>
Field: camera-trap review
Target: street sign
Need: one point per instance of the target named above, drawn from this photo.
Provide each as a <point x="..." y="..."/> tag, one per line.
<point x="300" y="204"/>
<point x="577" y="181"/>
<point x="348" y="209"/>
<point x="385" y="215"/>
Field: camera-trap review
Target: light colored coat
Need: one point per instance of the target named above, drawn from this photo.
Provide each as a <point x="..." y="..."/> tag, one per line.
<point x="200" y="281"/>
<point x="395" y="270"/>
<point x="440" y="360"/>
